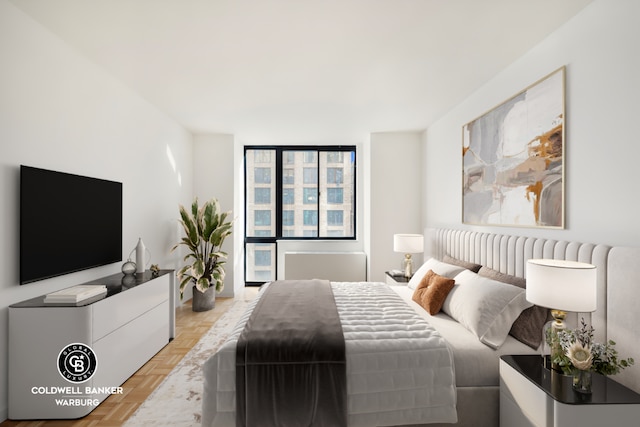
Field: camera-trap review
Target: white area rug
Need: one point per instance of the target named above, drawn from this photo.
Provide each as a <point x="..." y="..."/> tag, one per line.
<point x="178" y="399"/>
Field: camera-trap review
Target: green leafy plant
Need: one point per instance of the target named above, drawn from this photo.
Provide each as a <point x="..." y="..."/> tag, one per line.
<point x="579" y="351"/>
<point x="205" y="230"/>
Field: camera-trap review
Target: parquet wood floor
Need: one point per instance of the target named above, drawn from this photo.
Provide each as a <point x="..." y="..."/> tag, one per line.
<point x="114" y="411"/>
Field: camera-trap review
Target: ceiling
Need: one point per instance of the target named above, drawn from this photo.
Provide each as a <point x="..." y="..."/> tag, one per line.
<point x="302" y="71"/>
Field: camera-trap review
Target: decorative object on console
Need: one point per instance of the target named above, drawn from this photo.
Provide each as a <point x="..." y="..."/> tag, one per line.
<point x="128" y="281"/>
<point x="513" y="159"/>
<point x="75" y="294"/>
<point x="155" y="270"/>
<point x="128" y="267"/>
<point x="581" y="356"/>
<point x="408" y="244"/>
<point x="205" y="230"/>
<point x="141" y="255"/>
<point x="561" y="286"/>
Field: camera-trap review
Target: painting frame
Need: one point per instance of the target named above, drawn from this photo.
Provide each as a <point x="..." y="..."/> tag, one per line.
<point x="513" y="159"/>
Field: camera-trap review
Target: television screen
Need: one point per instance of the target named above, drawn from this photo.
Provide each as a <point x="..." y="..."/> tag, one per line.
<point x="67" y="223"/>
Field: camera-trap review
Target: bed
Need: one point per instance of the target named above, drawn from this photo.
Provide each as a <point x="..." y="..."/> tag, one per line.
<point x="474" y="372"/>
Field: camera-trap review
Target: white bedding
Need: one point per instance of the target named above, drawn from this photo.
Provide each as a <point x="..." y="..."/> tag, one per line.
<point x="476" y="363"/>
<point x="399" y="369"/>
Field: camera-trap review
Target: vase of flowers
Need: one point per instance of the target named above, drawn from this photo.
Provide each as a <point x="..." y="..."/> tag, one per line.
<point x="582" y="381"/>
<point x="581" y="356"/>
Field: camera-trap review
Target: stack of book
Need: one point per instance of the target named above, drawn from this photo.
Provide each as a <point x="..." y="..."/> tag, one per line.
<point x="75" y="294"/>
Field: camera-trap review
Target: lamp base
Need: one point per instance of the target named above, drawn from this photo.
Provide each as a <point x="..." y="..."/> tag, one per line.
<point x="550" y="341"/>
<point x="408" y="266"/>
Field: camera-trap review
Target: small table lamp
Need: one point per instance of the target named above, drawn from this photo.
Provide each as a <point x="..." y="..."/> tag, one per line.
<point x="561" y="286"/>
<point x="408" y="244"/>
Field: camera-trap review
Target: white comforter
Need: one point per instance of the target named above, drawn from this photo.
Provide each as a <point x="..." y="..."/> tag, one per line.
<point x="399" y="369"/>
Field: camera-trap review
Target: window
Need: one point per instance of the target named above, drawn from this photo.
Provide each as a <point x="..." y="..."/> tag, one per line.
<point x="288" y="158"/>
<point x="335" y="157"/>
<point x="288" y="218"/>
<point x="335" y="217"/>
<point x="262" y="156"/>
<point x="263" y="175"/>
<point x="310" y="156"/>
<point x="310" y="175"/>
<point x="262" y="196"/>
<point x="310" y="218"/>
<point x="262" y="258"/>
<point x="335" y="195"/>
<point x="263" y="218"/>
<point x="288" y="177"/>
<point x="334" y="175"/>
<point x="310" y="196"/>
<point x="288" y="196"/>
<point x="295" y="192"/>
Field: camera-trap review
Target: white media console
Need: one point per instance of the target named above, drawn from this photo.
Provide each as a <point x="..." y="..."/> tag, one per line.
<point x="124" y="328"/>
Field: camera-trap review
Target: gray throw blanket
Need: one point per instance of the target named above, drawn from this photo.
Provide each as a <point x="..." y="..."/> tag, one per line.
<point x="290" y="359"/>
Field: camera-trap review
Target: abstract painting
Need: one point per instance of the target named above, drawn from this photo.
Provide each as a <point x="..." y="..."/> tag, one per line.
<point x="513" y="159"/>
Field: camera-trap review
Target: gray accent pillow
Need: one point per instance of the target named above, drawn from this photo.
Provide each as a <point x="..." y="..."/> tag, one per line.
<point x="466" y="264"/>
<point x="528" y="326"/>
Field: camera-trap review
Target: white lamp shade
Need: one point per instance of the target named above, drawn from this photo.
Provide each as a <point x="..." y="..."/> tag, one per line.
<point x="408" y="243"/>
<point x="562" y="285"/>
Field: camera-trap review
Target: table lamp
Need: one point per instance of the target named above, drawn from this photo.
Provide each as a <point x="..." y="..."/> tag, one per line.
<point x="560" y="286"/>
<point x="408" y="244"/>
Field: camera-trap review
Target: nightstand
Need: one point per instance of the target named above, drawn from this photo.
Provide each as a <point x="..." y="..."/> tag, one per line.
<point x="532" y="395"/>
<point x="392" y="280"/>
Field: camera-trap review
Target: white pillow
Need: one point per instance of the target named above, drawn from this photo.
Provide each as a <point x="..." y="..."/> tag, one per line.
<point x="486" y="307"/>
<point x="438" y="267"/>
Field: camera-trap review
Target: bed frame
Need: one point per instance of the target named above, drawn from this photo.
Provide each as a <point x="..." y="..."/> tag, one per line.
<point x="617" y="316"/>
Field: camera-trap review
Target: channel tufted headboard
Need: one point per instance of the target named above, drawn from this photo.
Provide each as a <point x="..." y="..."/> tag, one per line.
<point x="617" y="316"/>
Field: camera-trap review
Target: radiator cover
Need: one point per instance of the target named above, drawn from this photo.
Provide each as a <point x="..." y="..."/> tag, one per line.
<point x="333" y="266"/>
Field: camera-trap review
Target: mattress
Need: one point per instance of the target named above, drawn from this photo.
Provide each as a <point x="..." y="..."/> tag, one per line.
<point x="477" y="365"/>
<point x="400" y="370"/>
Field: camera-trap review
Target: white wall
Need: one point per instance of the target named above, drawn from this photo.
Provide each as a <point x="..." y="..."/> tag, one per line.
<point x="394" y="206"/>
<point x="213" y="172"/>
<point x="599" y="48"/>
<point x="58" y="111"/>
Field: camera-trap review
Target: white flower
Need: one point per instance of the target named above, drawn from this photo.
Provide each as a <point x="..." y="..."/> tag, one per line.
<point x="580" y="356"/>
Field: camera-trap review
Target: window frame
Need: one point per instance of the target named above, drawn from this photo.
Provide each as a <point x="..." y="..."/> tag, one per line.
<point x="280" y="166"/>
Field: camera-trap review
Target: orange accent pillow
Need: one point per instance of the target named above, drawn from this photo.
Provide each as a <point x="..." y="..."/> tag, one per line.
<point x="422" y="287"/>
<point x="436" y="292"/>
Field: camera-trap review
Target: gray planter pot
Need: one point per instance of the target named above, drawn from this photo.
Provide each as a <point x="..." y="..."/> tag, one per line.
<point x="203" y="301"/>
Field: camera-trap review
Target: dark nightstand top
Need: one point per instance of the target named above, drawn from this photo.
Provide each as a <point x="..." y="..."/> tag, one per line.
<point x="605" y="391"/>
<point x="399" y="279"/>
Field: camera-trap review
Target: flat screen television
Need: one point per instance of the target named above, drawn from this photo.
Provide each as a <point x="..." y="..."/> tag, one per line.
<point x="68" y="223"/>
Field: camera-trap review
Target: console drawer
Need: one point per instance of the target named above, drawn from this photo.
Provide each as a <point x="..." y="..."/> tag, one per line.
<point x="118" y="310"/>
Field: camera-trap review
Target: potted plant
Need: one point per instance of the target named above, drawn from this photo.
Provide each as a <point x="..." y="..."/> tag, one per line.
<point x="205" y="230"/>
